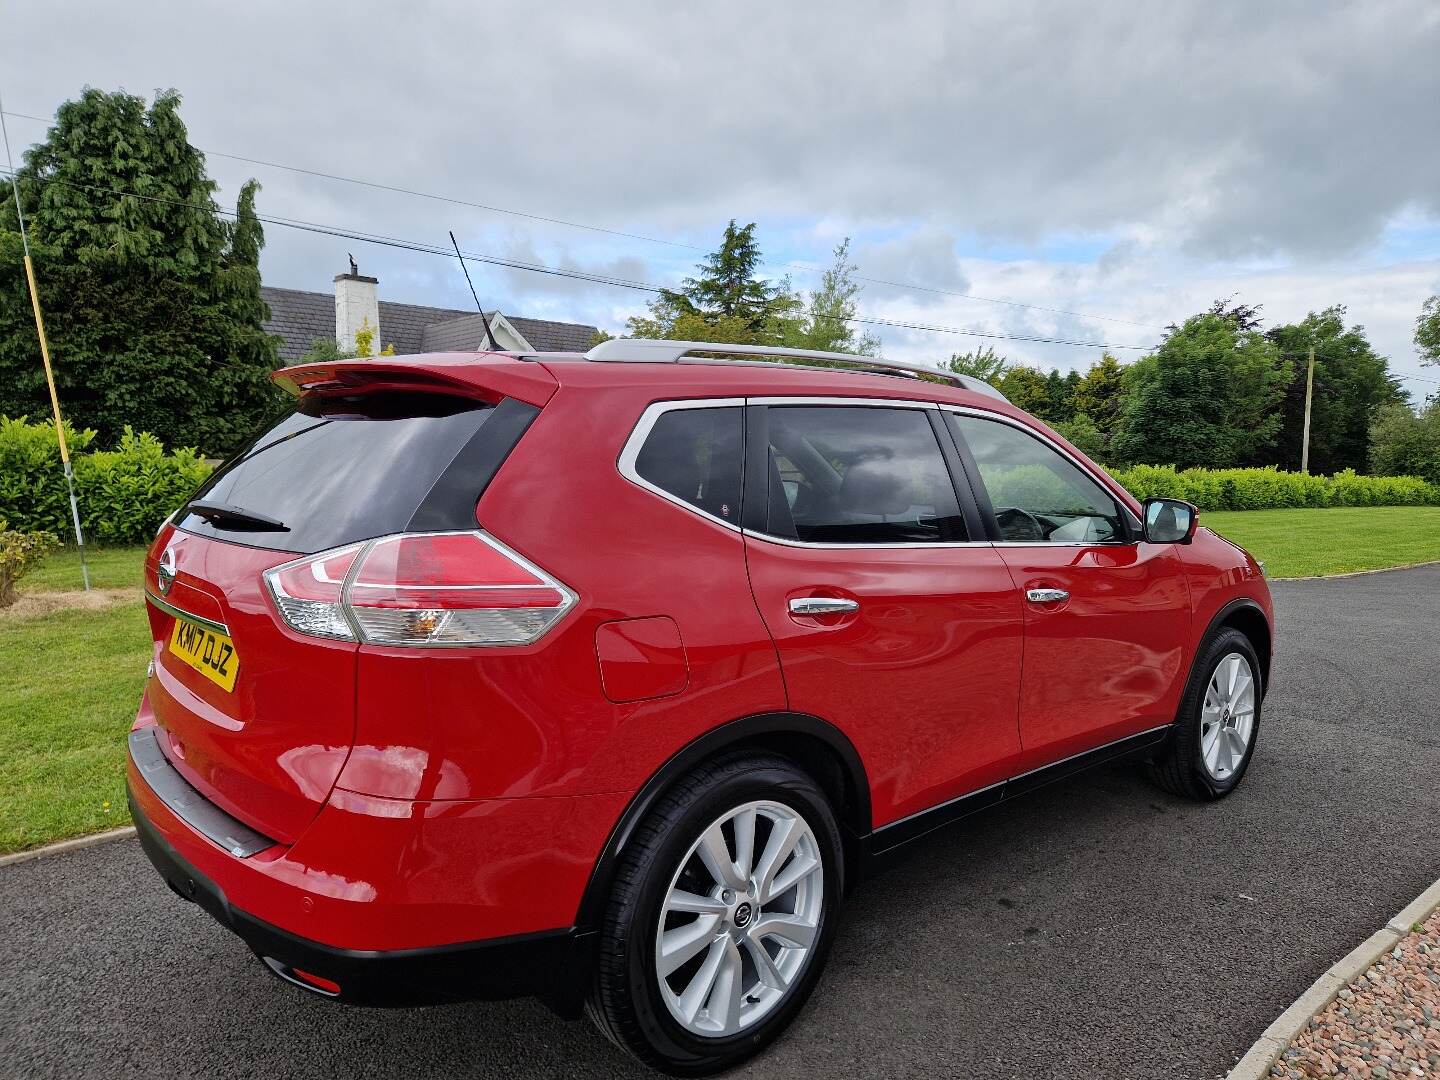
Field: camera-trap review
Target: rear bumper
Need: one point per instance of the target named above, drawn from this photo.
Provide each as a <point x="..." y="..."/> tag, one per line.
<point x="397" y="904"/>
<point x="538" y="964"/>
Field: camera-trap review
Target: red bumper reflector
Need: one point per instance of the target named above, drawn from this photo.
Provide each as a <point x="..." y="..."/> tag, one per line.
<point x="316" y="981"/>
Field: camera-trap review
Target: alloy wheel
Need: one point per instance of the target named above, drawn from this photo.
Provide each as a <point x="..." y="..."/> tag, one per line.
<point x="1227" y="716"/>
<point x="740" y="919"/>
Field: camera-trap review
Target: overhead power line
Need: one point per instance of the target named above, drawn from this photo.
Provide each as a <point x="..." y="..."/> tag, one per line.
<point x="540" y="268"/>
<point x="806" y="267"/>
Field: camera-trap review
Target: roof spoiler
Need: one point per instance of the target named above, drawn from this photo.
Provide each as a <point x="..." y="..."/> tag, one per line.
<point x="485" y="377"/>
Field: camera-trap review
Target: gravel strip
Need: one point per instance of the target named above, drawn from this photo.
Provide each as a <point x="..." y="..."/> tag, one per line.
<point x="1384" y="1024"/>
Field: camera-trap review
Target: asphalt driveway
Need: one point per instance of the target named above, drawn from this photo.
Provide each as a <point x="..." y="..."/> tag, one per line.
<point x="1100" y="928"/>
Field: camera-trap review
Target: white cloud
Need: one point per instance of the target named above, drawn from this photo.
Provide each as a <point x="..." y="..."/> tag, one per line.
<point x="1209" y="148"/>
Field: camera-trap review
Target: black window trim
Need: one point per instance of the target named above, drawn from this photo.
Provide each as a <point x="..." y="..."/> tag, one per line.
<point x="981" y="494"/>
<point x="757" y="435"/>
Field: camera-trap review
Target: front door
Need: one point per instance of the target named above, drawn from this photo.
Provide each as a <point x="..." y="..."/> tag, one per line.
<point x="1106" y="614"/>
<point x="892" y="619"/>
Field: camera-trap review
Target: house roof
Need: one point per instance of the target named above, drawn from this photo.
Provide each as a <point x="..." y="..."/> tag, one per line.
<point x="301" y="318"/>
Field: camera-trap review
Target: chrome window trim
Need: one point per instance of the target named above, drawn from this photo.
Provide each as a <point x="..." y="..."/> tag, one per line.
<point x="829" y="400"/>
<point x="1041" y="437"/>
<point x="181" y="613"/>
<point x="630" y="452"/>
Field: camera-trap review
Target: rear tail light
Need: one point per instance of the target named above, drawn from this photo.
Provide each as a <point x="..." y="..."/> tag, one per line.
<point x="426" y="589"/>
<point x="308" y="592"/>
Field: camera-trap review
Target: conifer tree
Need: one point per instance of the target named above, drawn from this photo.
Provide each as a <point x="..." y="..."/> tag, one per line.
<point x="152" y="301"/>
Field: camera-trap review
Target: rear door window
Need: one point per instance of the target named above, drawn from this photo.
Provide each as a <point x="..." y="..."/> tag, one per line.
<point x="335" y="471"/>
<point x="694" y="456"/>
<point x="858" y="475"/>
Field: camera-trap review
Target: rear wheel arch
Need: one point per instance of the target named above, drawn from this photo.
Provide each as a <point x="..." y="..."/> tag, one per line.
<point x="815" y="746"/>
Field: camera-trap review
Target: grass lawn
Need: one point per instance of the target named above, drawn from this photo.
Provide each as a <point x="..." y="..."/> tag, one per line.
<point x="70" y="682"/>
<point x="1309" y="543"/>
<point x="110" y="568"/>
<point x="70" y="679"/>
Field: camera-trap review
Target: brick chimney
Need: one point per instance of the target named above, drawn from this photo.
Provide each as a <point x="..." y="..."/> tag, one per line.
<point x="356" y="304"/>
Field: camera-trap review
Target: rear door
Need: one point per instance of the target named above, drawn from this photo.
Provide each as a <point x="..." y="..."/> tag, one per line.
<point x="1106" y="615"/>
<point x="256" y="716"/>
<point x="893" y="618"/>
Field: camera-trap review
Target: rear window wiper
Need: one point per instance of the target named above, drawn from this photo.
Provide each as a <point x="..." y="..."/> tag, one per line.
<point x="225" y="516"/>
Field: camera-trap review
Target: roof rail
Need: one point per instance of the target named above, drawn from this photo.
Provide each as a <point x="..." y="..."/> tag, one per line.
<point x="661" y="351"/>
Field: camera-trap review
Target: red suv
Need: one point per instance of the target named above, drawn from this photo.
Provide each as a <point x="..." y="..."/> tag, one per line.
<point x="601" y="678"/>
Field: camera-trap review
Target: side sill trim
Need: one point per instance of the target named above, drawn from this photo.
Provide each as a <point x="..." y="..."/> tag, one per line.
<point x="188" y="804"/>
<point x="888" y="838"/>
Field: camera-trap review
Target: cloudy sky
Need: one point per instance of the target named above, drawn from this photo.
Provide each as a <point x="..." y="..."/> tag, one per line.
<point x="1107" y="168"/>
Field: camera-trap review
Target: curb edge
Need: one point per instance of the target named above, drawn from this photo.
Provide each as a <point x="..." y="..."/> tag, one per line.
<point x="1276" y="1039"/>
<point x="63" y="846"/>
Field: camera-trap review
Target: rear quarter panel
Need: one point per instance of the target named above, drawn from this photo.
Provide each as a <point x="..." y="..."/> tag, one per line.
<point x="535" y="721"/>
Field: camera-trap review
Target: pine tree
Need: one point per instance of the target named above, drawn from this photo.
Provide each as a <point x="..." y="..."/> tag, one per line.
<point x="1100" y="393"/>
<point x="726" y="302"/>
<point x="152" y="302"/>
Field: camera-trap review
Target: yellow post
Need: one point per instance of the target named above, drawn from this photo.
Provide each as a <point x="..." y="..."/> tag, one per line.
<point x="45" y="357"/>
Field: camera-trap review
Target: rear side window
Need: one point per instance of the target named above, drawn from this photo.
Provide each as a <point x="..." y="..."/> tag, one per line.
<point x="337" y="470"/>
<point x="858" y="475"/>
<point x="694" y="456"/>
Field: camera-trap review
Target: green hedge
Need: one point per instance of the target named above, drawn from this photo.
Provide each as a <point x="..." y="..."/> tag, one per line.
<point x="124" y="494"/>
<point x="1271" y="489"/>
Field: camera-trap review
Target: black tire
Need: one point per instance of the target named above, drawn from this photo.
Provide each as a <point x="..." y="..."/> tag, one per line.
<point x="1180" y="768"/>
<point x="625" y="1001"/>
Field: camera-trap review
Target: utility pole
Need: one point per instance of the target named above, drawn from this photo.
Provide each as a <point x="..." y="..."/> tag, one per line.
<point x="1309" y="389"/>
<point x="45" y="356"/>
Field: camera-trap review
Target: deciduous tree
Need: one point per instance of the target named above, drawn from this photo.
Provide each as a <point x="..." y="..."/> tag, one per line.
<point x="983" y="363"/>
<point x="1352" y="384"/>
<point x="1209" y="396"/>
<point x="1427" y="331"/>
<point x="824" y="325"/>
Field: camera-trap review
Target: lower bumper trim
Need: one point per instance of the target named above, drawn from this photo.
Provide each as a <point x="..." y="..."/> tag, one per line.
<point x="539" y="964"/>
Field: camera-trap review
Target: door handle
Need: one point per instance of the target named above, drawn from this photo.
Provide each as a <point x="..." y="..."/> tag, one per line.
<point x="1046" y="596"/>
<point x="822" y="605"/>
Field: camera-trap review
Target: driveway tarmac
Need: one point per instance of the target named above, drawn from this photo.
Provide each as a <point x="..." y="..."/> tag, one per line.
<point x="1099" y="929"/>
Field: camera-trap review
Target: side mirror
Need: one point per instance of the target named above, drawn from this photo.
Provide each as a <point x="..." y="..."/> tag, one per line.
<point x="1170" y="521"/>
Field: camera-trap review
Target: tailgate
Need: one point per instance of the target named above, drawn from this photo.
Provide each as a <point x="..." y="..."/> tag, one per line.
<point x="268" y="749"/>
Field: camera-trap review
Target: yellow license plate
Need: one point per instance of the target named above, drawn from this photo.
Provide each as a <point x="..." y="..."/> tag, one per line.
<point x="208" y="652"/>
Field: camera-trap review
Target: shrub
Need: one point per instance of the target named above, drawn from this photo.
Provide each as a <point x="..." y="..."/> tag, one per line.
<point x="32" y="487"/>
<point x="1271" y="489"/>
<point x="20" y="552"/>
<point x="124" y="494"/>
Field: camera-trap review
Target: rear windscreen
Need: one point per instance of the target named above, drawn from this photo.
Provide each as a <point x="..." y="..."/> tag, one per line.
<point x="339" y="470"/>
